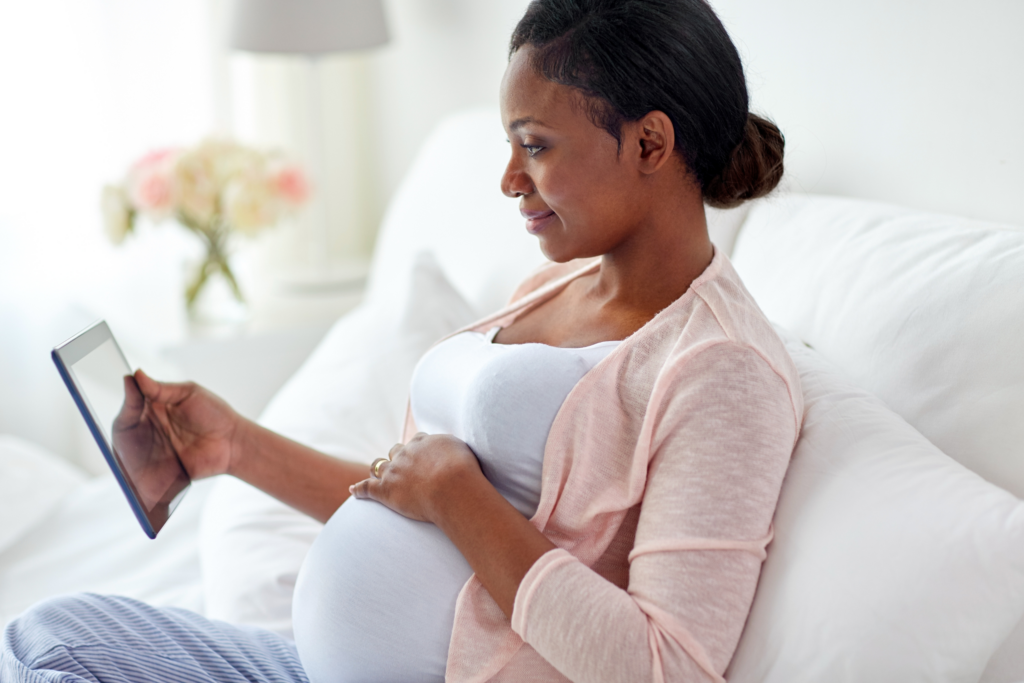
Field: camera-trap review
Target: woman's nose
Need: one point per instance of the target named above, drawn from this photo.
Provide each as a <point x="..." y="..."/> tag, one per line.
<point x="515" y="182"/>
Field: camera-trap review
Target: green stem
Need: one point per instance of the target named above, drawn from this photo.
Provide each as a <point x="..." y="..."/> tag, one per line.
<point x="215" y="238"/>
<point x="196" y="286"/>
<point x="235" y="289"/>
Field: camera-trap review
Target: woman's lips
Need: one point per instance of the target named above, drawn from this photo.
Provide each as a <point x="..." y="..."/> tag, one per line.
<point x="537" y="220"/>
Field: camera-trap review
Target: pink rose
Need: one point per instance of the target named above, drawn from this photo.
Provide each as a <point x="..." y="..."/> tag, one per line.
<point x="155" y="158"/>
<point x="292" y="185"/>
<point x="151" y="183"/>
<point x="152" y="192"/>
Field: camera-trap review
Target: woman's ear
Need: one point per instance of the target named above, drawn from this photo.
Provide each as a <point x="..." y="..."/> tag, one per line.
<point x="655" y="141"/>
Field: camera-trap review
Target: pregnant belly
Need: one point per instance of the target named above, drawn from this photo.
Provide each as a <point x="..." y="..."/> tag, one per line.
<point x="375" y="598"/>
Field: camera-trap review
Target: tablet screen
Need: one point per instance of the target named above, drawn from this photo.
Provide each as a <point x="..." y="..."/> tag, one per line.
<point x="141" y="448"/>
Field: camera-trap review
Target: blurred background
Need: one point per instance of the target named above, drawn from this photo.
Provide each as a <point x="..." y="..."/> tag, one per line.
<point x="878" y="99"/>
<point x="89" y="86"/>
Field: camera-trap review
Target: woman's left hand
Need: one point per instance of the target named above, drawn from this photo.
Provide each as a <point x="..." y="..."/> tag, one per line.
<point x="422" y="475"/>
<point x="437" y="479"/>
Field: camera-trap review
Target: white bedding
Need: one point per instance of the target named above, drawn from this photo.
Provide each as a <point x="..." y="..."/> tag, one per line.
<point x="91" y="542"/>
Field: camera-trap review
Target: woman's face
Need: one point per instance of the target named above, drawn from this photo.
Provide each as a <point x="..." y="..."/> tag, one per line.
<point x="579" y="195"/>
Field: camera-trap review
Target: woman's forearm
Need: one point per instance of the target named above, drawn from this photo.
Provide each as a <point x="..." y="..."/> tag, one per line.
<point x="498" y="542"/>
<point x="299" y="476"/>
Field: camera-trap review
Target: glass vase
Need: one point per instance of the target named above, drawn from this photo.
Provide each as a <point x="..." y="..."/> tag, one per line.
<point x="212" y="294"/>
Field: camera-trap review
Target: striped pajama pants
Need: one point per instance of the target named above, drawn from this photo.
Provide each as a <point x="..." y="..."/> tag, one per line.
<point x="105" y="639"/>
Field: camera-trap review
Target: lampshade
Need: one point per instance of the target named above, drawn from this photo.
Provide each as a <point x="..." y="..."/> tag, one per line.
<point x="310" y="27"/>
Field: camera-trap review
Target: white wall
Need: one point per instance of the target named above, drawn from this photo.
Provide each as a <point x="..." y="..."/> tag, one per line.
<point x="916" y="102"/>
<point x="446" y="55"/>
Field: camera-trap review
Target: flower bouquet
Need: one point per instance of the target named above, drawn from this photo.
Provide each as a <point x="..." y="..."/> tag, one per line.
<point x="214" y="189"/>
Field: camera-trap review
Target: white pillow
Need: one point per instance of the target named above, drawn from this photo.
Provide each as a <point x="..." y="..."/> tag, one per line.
<point x="32" y="482"/>
<point x="481" y="242"/>
<point x="1007" y="664"/>
<point x="925" y="311"/>
<point x="724" y="225"/>
<point x="891" y="561"/>
<point x="347" y="400"/>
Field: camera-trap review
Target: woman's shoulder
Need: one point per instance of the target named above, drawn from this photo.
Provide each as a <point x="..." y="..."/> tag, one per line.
<point x="716" y="320"/>
<point x="736" y="324"/>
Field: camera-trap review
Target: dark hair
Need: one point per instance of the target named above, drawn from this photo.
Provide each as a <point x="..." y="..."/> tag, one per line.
<point x="631" y="57"/>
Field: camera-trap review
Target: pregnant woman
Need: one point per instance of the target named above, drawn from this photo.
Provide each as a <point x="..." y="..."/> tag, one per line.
<point x="586" y="482"/>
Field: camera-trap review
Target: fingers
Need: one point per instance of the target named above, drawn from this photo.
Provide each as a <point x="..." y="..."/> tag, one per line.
<point x="146" y="384"/>
<point x="133" y="399"/>
<point x="163" y="392"/>
<point x="367" y="489"/>
<point x="377" y="467"/>
<point x="131" y="409"/>
<point x="370" y="488"/>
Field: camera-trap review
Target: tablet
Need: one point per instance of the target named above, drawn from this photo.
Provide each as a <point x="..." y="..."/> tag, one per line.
<point x="133" y="442"/>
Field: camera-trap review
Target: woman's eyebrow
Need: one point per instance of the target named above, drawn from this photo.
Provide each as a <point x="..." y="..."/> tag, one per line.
<point x="519" y="123"/>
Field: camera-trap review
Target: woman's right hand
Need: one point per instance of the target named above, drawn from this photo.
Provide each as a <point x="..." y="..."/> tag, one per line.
<point x="210" y="438"/>
<point x="203" y="429"/>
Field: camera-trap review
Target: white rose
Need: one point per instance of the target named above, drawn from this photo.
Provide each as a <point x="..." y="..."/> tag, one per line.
<point x="250" y="204"/>
<point x="118" y="216"/>
<point x="196" y="187"/>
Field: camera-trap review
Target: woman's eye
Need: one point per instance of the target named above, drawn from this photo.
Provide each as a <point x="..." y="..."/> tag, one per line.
<point x="532" y="150"/>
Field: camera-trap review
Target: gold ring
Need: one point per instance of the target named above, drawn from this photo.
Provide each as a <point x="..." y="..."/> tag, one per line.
<point x="375" y="467"/>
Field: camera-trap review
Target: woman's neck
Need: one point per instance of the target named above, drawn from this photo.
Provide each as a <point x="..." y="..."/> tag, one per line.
<point x="659" y="261"/>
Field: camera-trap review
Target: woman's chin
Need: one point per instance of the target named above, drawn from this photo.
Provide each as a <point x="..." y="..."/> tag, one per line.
<point x="559" y="251"/>
<point x="554" y="249"/>
<point x="555" y="255"/>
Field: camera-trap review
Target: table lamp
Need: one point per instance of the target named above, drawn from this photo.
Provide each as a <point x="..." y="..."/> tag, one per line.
<point x="312" y="29"/>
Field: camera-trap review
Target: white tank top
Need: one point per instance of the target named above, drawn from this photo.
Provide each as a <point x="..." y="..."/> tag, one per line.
<point x="375" y="598"/>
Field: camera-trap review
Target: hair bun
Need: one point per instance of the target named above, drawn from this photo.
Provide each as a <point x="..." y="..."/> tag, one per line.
<point x="753" y="170"/>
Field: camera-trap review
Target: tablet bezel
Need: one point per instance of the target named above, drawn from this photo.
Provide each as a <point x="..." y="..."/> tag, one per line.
<point x="65" y="355"/>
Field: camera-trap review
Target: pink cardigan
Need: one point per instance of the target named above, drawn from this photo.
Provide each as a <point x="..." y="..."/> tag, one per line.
<point x="661" y="475"/>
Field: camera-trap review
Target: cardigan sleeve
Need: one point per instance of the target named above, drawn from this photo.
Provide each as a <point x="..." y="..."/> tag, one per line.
<point x="721" y="443"/>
